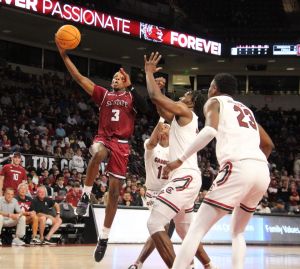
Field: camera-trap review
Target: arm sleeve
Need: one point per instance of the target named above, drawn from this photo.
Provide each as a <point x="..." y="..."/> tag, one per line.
<point x="202" y="139"/>
<point x="139" y="102"/>
<point x="98" y="94"/>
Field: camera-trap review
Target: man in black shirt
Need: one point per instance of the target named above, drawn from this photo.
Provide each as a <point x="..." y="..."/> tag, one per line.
<point x="42" y="206"/>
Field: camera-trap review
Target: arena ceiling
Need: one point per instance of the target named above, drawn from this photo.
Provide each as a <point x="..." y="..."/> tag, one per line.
<point x="39" y="31"/>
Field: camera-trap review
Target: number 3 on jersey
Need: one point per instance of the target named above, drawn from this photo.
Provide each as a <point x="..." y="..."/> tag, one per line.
<point x="116" y="115"/>
<point x="243" y="112"/>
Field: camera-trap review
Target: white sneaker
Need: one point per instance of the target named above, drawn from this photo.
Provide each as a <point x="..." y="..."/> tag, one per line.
<point x="18" y="242"/>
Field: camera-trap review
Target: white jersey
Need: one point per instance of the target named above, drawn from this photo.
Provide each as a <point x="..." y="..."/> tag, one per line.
<point x="155" y="160"/>
<point x="180" y="138"/>
<point x="238" y="133"/>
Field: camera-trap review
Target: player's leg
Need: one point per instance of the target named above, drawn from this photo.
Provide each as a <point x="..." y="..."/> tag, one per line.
<point x="116" y="168"/>
<point x="240" y="219"/>
<point x="99" y="152"/>
<point x="149" y="247"/>
<point x="182" y="224"/>
<point x="161" y="239"/>
<point x="205" y="218"/>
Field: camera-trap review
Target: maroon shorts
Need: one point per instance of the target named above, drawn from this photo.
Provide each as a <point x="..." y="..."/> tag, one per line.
<point x="118" y="157"/>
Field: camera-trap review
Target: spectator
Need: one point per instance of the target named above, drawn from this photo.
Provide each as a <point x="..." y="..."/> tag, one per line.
<point x="293" y="199"/>
<point x="77" y="161"/>
<point x="11" y="215"/>
<point x="279" y="207"/>
<point x="42" y="206"/>
<point x="59" y="189"/>
<point x="12" y="174"/>
<point x="141" y="199"/>
<point x="127" y="200"/>
<point x="60" y="131"/>
<point x="263" y="207"/>
<point x="74" y="194"/>
<point x="24" y="202"/>
<point x="297" y="166"/>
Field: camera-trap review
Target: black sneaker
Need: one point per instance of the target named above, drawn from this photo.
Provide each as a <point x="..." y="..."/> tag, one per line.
<point x="133" y="266"/>
<point x="100" y="249"/>
<point x="48" y="242"/>
<point x="83" y="205"/>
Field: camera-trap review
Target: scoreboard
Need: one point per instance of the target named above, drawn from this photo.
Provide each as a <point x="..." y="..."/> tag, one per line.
<point x="266" y="50"/>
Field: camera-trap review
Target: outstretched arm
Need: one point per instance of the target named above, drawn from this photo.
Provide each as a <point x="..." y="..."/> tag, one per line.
<point x="154" y="92"/>
<point x="153" y="140"/>
<point x="83" y="81"/>
<point x="208" y="133"/>
<point x="266" y="143"/>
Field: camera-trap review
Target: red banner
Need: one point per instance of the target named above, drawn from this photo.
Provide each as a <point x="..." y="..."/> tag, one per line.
<point x="107" y="22"/>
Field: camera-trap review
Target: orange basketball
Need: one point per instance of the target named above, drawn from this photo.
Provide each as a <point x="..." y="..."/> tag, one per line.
<point x="68" y="37"/>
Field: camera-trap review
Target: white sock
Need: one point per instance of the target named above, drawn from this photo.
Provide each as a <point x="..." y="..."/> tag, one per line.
<point x="87" y="189"/>
<point x="105" y="233"/>
<point x="139" y="265"/>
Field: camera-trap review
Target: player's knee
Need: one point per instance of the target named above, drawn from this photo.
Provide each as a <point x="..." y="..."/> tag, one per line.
<point x="114" y="194"/>
<point x="156" y="224"/>
<point x="98" y="152"/>
<point x="181" y="229"/>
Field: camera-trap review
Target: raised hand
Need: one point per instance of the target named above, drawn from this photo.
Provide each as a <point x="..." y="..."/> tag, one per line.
<point x="127" y="81"/>
<point x="171" y="166"/>
<point x="60" y="49"/>
<point x="151" y="63"/>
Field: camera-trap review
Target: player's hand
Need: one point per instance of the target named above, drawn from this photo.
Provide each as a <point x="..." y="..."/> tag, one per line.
<point x="127" y="81"/>
<point x="60" y="49"/>
<point x="170" y="167"/>
<point x="151" y="63"/>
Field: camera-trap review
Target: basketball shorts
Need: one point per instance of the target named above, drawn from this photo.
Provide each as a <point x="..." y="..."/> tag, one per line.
<point x="150" y="198"/>
<point x="240" y="183"/>
<point x="118" y="157"/>
<point x="179" y="194"/>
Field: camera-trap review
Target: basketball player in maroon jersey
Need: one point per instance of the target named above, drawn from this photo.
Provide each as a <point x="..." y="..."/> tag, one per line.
<point x="116" y="125"/>
<point x="12" y="174"/>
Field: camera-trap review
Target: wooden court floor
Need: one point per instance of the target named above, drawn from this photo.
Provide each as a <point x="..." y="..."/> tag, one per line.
<point x="121" y="256"/>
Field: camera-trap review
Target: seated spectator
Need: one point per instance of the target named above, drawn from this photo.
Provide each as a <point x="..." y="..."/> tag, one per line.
<point x="127" y="199"/>
<point x="141" y="199"/>
<point x="42" y="206"/>
<point x="77" y="162"/>
<point x="74" y="194"/>
<point x="60" y="190"/>
<point x="293" y="199"/>
<point x="60" y="131"/>
<point x="279" y="207"/>
<point x="11" y="215"/>
<point x="263" y="207"/>
<point x="31" y="217"/>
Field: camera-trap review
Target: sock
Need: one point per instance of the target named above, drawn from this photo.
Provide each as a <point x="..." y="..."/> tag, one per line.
<point x="105" y="233"/>
<point x="87" y="189"/>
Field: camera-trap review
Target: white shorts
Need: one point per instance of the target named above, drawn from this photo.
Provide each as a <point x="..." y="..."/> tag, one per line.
<point x="241" y="183"/>
<point x="179" y="194"/>
<point x="150" y="198"/>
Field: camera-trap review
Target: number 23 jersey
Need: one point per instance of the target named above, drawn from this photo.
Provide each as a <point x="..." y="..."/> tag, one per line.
<point x="238" y="133"/>
<point x="155" y="160"/>
<point x="116" y="112"/>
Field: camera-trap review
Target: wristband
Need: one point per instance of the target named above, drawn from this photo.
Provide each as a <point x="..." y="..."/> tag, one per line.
<point x="161" y="120"/>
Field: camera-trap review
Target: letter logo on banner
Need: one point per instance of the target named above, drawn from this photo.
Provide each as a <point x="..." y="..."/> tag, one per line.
<point x="151" y="32"/>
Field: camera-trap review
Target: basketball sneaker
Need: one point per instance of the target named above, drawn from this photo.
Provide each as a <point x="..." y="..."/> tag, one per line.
<point x="18" y="242"/>
<point x="100" y="249"/>
<point x="48" y="242"/>
<point x="83" y="205"/>
<point x="35" y="241"/>
<point x="135" y="266"/>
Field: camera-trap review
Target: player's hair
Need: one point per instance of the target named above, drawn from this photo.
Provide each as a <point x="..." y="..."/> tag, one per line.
<point x="199" y="100"/>
<point x="226" y="83"/>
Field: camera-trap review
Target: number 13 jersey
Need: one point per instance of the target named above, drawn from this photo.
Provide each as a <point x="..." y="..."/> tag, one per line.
<point x="155" y="160"/>
<point x="116" y="113"/>
<point x="238" y="133"/>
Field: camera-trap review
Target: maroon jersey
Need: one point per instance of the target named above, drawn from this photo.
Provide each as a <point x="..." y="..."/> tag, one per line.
<point x="13" y="176"/>
<point x="116" y="113"/>
<point x="24" y="204"/>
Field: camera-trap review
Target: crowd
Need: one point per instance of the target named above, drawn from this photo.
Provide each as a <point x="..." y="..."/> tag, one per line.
<point x="48" y="115"/>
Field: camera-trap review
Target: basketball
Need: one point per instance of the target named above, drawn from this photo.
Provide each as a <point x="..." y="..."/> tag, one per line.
<point x="68" y="37"/>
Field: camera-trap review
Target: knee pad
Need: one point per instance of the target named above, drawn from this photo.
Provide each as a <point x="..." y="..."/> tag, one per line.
<point x="157" y="222"/>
